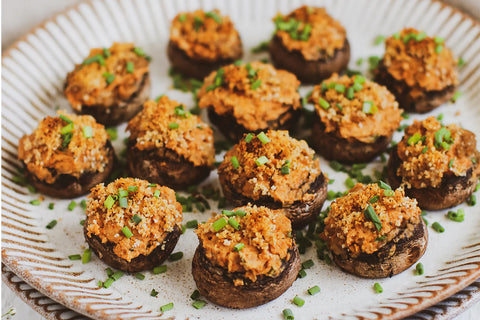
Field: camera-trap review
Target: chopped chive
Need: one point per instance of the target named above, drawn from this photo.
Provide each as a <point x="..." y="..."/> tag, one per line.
<point x="381" y="238"/>
<point x="139" y="276"/>
<point x="298" y="301"/>
<point x="51" y="205"/>
<point x="195" y="295"/>
<point x="234" y="223"/>
<point x="109" y="202"/>
<point x="263" y="138"/>
<point x="129" y="67"/>
<point x="249" y="137"/>
<point x="374" y="199"/>
<point x="87" y="256"/>
<point x="357" y="87"/>
<point x="228" y="213"/>
<point x="261" y="161"/>
<point x="66" y="119"/>
<point x="109" y="77"/>
<point x="458" y="216"/>
<point x="166" y="307"/>
<point x="285" y="170"/>
<point x="438" y="48"/>
<point x="339" y="106"/>
<point x="460" y="62"/>
<point x="396" y="36"/>
<point x="74" y="257"/>
<point x="122" y="193"/>
<point x="313" y="290"/>
<point x="302" y="273"/>
<point x="307" y="264"/>
<point x="419" y="269"/>
<point x="378" y="40"/>
<point x="160" y="269"/>
<point x="219" y="224"/>
<point x="414" y="139"/>
<point x="420" y="36"/>
<point x="456" y="95"/>
<point x="288" y="314"/>
<point x="123" y="202"/>
<point x="117" y="275"/>
<point x="256" y="84"/>
<point x="87" y="131"/>
<point x="132" y="188"/>
<point x="126" y="231"/>
<point x="173" y="125"/>
<point x="71" y="205"/>
<point x="112" y="132"/>
<point x="213" y="16"/>
<point x="323" y="103"/>
<point x="438" y="40"/>
<point x="388" y="193"/>
<point x="139" y="51"/>
<point x="154" y="293"/>
<point x="424" y="150"/>
<point x="383" y="185"/>
<point x="199" y="304"/>
<point x="238" y="246"/>
<point x="450" y="163"/>
<point x="51" y="224"/>
<point x="377" y="287"/>
<point x="67" y="129"/>
<point x="340" y="88"/>
<point x="176" y="256"/>
<point x="109" y="272"/>
<point x="152" y="185"/>
<point x="106" y="53"/>
<point x="182" y="18"/>
<point x="235" y="162"/>
<point x="372" y="216"/>
<point x="83" y="204"/>
<point x="108" y="283"/>
<point x="96" y="58"/>
<point x="156" y="194"/>
<point x="438" y="227"/>
<point x="35" y="202"/>
<point x="136" y="219"/>
<point x="349" y="183"/>
<point x="192" y="224"/>
<point x="82" y="222"/>
<point x="472" y="200"/>
<point x="350" y="93"/>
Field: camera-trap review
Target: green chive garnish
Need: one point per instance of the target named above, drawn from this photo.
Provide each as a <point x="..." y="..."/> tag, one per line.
<point x="472" y="200"/>
<point x="419" y="37"/>
<point x="195" y="295"/>
<point x="340" y="88"/>
<point x="438" y="48"/>
<point x="123" y="202"/>
<point x="96" y="58"/>
<point x="87" y="256"/>
<point x="166" y="307"/>
<point x="323" y="103"/>
<point x="219" y="224"/>
<point x="438" y="227"/>
<point x="302" y="273"/>
<point x="379" y="39"/>
<point x="261" y="161"/>
<point x="307" y="264"/>
<point x="419" y="269"/>
<point x="371" y="215"/>
<point x="460" y="62"/>
<point x="374" y="199"/>
<point x="456" y="95"/>
<point x="350" y="93"/>
<point x="108" y="283"/>
<point x="298" y="301"/>
<point x="51" y="205"/>
<point x="87" y="131"/>
<point x="129" y="67"/>
<point x="152" y="185"/>
<point x="67" y="129"/>
<point x="228" y="213"/>
<point x="126" y="231"/>
<point x="72" y="205"/>
<point x="288" y="314"/>
<point x="450" y="163"/>
<point x="414" y="139"/>
<point x="357" y="87"/>
<point x="154" y="293"/>
<point x="214" y="16"/>
<point x="234" y="223"/>
<point x="199" y="304"/>
<point x="285" y="170"/>
<point x="388" y="193"/>
<point x="192" y="224"/>
<point x="173" y="125"/>
<point x="35" y="202"/>
<point x="51" y="224"/>
<point x="240" y="213"/>
<point x="64" y="118"/>
<point x="313" y="290"/>
<point x="106" y="53"/>
<point x="156" y="194"/>
<point x="136" y="219"/>
<point x="109" y="202"/>
<point x="458" y="216"/>
<point x="112" y="132"/>
<point x="249" y="137"/>
<point x="256" y="84"/>
<point x="139" y="276"/>
<point x="109" y="77"/>
<point x="424" y="150"/>
<point x="109" y="272"/>
<point x="132" y="188"/>
<point x="238" y="246"/>
<point x="349" y="183"/>
<point x="383" y="185"/>
<point x="176" y="256"/>
<point x="235" y="162"/>
<point x="182" y="18"/>
<point x="160" y="269"/>
<point x="75" y="257"/>
<point x="139" y="51"/>
<point x="381" y="238"/>
<point x="377" y="287"/>
<point x="117" y="275"/>
<point x="82" y="222"/>
<point x="263" y="138"/>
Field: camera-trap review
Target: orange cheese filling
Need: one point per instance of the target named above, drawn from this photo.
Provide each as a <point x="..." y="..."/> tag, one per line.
<point x="156" y="206"/>
<point x="266" y="238"/>
<point x="430" y="151"/>
<point x="47" y="155"/>
<point x="254" y="181"/>
<point x="205" y="35"/>
<point x="254" y="93"/>
<point x="356" y="109"/>
<point x="107" y="77"/>
<point x="311" y="31"/>
<point x="424" y="65"/>
<point x="347" y="229"/>
<point x="167" y="124"/>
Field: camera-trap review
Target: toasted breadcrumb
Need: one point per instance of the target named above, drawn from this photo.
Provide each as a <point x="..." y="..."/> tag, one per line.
<point x="45" y="157"/>
<point x="424" y="163"/>
<point x="347" y="230"/>
<point x="201" y="37"/>
<point x="252" y="108"/>
<point x="418" y="63"/>
<point x="193" y="139"/>
<point x="326" y="36"/>
<point x="266" y="235"/>
<point x="159" y="216"/>
<point x="254" y="181"/>
<point x="347" y="118"/>
<point x="87" y="84"/>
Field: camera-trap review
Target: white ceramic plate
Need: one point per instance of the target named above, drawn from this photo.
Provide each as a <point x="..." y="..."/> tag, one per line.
<point x="32" y="80"/>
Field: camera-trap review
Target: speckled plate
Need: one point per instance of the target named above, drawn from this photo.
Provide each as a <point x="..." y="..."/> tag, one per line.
<point x="32" y="80"/>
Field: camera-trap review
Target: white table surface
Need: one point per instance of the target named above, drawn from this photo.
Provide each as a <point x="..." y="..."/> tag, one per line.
<point x="20" y="16"/>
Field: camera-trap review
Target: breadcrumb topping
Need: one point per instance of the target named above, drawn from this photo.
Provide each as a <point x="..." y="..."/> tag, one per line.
<point x="167" y="124"/>
<point x="430" y="151"/>
<point x="265" y="234"/>
<point x="107" y="77"/>
<point x="159" y="216"/>
<point x="254" y="93"/>
<point x="347" y="230"/>
<point x="254" y="181"/>
<point x="424" y="65"/>
<point x="47" y="155"/>
<point x="314" y="33"/>
<point x="356" y="109"/>
<point x="205" y="35"/>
